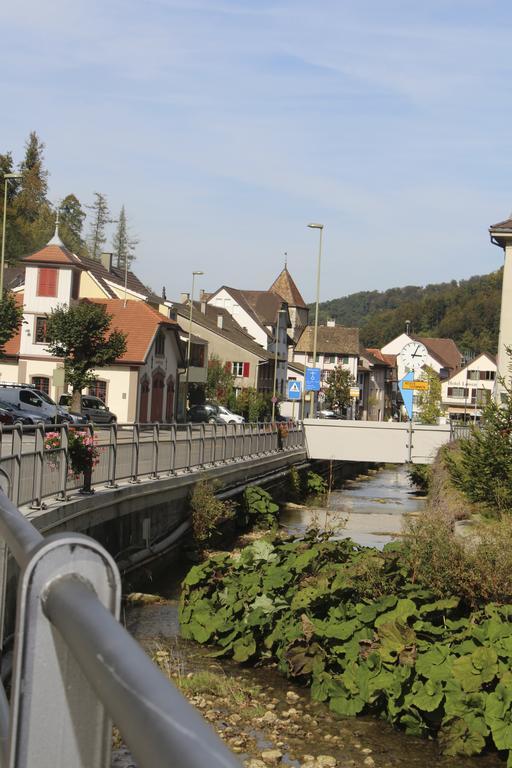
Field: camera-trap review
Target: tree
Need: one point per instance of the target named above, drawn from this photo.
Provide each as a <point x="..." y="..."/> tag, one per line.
<point x="81" y="335"/>
<point x="253" y="405"/>
<point x="338" y="386"/>
<point x="101" y="217"/>
<point x="429" y="402"/>
<point x="122" y="244"/>
<point x="72" y="217"/>
<point x="219" y="384"/>
<point x="11" y="317"/>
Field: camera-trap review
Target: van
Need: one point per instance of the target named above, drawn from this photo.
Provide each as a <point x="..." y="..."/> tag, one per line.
<point x="31" y="400"/>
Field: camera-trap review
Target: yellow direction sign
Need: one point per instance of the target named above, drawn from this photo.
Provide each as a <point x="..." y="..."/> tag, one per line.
<point x="421" y="385"/>
<point x="354" y="391"/>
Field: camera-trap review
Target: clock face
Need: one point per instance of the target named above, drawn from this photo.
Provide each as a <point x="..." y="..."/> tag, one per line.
<point x="414" y="355"/>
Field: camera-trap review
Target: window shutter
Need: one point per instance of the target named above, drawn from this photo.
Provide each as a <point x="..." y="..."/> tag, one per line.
<point x="47" y="281"/>
<point x="450" y="391"/>
<point x="227" y="367"/>
<point x="246" y="370"/>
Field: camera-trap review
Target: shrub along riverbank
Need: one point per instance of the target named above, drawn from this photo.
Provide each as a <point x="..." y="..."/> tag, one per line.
<point x="419" y="634"/>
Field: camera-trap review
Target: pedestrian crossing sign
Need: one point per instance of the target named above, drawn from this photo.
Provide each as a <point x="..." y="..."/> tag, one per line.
<point x="294" y="390"/>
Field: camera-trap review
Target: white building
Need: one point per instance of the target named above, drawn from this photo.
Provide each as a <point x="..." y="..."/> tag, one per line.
<point x="443" y="354"/>
<point x="468" y="390"/>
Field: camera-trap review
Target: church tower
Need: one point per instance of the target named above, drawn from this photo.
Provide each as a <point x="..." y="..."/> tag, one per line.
<point x="284" y="286"/>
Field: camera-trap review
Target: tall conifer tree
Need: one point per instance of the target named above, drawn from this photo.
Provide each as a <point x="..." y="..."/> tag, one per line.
<point x="72" y="217"/>
<point x="97" y="229"/>
<point x="123" y="245"/>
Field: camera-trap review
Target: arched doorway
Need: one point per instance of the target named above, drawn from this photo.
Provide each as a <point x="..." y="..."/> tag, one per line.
<point x="143" y="405"/>
<point x="169" y="402"/>
<point x="157" y="396"/>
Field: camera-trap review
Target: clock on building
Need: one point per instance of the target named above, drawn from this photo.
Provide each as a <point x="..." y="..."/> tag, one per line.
<point x="414" y="355"/>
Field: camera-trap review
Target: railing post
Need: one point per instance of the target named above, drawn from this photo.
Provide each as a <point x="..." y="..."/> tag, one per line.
<point x="173" y="436"/>
<point x="189" y="448"/>
<point x="135" y="454"/>
<point x="63" y="462"/>
<point x="202" y="437"/>
<point x="57" y="719"/>
<point x="37" y="487"/>
<point x="156" y="438"/>
<point x="17" y="447"/>
<point x="112" y="455"/>
<point x="214" y="445"/>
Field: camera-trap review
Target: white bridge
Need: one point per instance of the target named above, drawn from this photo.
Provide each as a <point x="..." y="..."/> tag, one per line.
<point x="375" y="441"/>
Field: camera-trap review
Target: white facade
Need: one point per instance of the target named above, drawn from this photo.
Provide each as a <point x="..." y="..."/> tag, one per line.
<point x="224" y="300"/>
<point x="328" y="362"/>
<point x="467" y="391"/>
<point x="395" y="346"/>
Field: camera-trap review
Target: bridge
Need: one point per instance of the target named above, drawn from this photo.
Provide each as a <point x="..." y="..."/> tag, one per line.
<point x="377" y="441"/>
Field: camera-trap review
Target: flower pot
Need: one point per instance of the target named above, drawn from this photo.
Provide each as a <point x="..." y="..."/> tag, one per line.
<point x="86" y="489"/>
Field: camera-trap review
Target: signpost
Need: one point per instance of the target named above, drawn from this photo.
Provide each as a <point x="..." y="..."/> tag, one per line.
<point x="407" y="393"/>
<point x="354" y="392"/>
<point x="312" y="380"/>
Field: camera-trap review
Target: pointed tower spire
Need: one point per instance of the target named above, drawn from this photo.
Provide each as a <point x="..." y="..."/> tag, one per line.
<point x="286" y="259"/>
<point x="56" y="239"/>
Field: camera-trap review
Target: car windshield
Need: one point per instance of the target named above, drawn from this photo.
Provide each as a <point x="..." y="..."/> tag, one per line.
<point x="224" y="411"/>
<point x="45" y="397"/>
<point x="7" y="406"/>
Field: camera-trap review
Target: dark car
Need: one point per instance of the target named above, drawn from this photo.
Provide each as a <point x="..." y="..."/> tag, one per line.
<point x="18" y="415"/>
<point x="207" y="413"/>
<point x="6" y="416"/>
<point x="93" y="409"/>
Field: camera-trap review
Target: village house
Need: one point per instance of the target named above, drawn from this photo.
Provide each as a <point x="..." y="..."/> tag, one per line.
<point x="466" y="392"/>
<point x="443" y="357"/>
<point x="375" y="382"/>
<point x="336" y="346"/>
<point x="139" y="386"/>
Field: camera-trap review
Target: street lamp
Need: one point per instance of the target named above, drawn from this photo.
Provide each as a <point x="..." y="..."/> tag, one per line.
<point x="274" y="395"/>
<point x="194" y="274"/>
<point x="315" y="332"/>
<point x="7" y="176"/>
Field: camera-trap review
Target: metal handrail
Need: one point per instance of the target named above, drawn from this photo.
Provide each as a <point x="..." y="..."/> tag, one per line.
<point x="68" y="685"/>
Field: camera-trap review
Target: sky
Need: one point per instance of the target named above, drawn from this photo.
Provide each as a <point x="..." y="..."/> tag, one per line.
<point x="226" y="126"/>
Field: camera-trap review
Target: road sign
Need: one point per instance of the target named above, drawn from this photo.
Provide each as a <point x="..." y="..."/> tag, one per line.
<point x="275" y="400"/>
<point x="354" y="392"/>
<point x="419" y="385"/>
<point x="407" y="394"/>
<point x="312" y="380"/>
<point x="321" y="397"/>
<point x="294" y="390"/>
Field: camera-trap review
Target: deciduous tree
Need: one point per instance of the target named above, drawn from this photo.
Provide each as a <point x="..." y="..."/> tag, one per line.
<point x="81" y="335"/>
<point x="11" y="317"/>
<point x="337" y="390"/>
<point x="219" y="384"/>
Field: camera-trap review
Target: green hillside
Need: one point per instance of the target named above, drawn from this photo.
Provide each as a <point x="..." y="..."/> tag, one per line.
<point x="467" y="311"/>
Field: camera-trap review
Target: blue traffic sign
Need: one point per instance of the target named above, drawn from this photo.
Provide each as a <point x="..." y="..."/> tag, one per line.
<point x="407" y="394"/>
<point x="294" y="390"/>
<point x="312" y="380"/>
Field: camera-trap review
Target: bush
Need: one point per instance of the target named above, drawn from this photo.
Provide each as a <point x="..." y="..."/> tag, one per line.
<point x="208" y="512"/>
<point x="315" y="484"/>
<point x="295" y="485"/>
<point x="259" y="507"/>
<point x="419" y="475"/>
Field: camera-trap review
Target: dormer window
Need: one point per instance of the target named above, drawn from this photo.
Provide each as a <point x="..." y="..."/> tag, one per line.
<point x="47" y="281"/>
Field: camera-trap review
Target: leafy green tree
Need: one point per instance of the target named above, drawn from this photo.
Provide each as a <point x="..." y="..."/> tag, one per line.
<point x="219" y="384"/>
<point x="123" y="244"/>
<point x="429" y="402"/>
<point x="11" y="317"/>
<point x="97" y="236"/>
<point x="72" y="217"/>
<point x="337" y="390"/>
<point x="81" y="335"/>
<point x="253" y="405"/>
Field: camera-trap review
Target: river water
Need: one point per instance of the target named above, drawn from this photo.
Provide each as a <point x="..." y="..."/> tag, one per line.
<point x="371" y="510"/>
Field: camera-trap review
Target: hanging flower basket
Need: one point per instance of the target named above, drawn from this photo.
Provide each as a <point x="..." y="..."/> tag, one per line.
<point x="83" y="455"/>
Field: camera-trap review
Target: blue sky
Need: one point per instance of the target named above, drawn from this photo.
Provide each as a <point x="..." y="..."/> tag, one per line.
<point x="225" y="126"/>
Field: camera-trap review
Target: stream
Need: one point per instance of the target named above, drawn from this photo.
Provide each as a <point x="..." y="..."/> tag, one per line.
<point x="282" y="718"/>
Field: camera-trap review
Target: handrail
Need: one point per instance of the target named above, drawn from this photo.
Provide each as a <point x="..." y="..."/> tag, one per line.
<point x="68" y="685"/>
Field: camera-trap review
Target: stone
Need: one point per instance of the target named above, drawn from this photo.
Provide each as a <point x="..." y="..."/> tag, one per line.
<point x="367" y="751"/>
<point x="325" y="761"/>
<point x="268" y="718"/>
<point x="308" y="759"/>
<point x="369" y="761"/>
<point x="254" y="763"/>
<point x="271" y="756"/>
<point x="292" y="696"/>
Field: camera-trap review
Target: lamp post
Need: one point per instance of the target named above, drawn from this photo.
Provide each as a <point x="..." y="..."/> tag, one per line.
<point x="194" y="274"/>
<point x="7" y="176"/>
<point x="274" y="394"/>
<point x="315" y="332"/>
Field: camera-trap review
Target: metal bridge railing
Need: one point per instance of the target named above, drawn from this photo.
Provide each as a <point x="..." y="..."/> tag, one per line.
<point x="30" y="472"/>
<point x="76" y="669"/>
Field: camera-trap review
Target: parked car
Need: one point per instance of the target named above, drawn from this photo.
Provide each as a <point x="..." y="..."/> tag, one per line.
<point x="206" y="413"/>
<point x="6" y="416"/>
<point x="70" y="416"/>
<point x="33" y="402"/>
<point x="93" y="409"/>
<point x="228" y="417"/>
<point x="325" y="413"/>
<point x="25" y="415"/>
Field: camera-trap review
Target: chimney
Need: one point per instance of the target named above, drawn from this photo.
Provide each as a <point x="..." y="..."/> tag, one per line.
<point x="331" y="323"/>
<point x="184" y="297"/>
<point x="220" y="321"/>
<point x="203" y="307"/>
<point x="106" y="260"/>
<point x="201" y="294"/>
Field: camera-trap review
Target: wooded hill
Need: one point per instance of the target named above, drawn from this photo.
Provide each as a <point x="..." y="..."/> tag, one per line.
<point x="468" y="311"/>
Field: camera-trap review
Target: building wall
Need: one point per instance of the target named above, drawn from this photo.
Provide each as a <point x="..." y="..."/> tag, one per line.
<point x="395" y="346"/>
<point x="505" y="336"/>
<point x="225" y="301"/>
<point x="89" y="288"/>
<point x="38" y="306"/>
<point x="458" y="404"/>
<point x="326" y="365"/>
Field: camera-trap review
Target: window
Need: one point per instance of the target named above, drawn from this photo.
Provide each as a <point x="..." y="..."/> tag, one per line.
<point x="197" y="355"/>
<point x="329" y="359"/>
<point x="487" y="375"/>
<point x="473" y="375"/>
<point x="480" y="396"/>
<point x="458" y="392"/>
<point x="160" y="344"/>
<point x="40" y="335"/>
<point x="42" y="383"/>
<point x="99" y="389"/>
<point x="237" y="369"/>
<point x="343" y="359"/>
<point x="47" y="281"/>
<point x="30" y="398"/>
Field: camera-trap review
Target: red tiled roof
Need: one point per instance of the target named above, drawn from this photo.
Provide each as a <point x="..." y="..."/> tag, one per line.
<point x="284" y="286"/>
<point x="139" y="321"/>
<point x="53" y="254"/>
<point x="445" y="350"/>
<point x="387" y="359"/>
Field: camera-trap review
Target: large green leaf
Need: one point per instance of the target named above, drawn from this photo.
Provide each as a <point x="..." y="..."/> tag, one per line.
<point x="394" y="637"/>
<point x="244" y="648"/>
<point x="463" y="736"/>
<point x="426" y="696"/>
<point x="404" y="609"/>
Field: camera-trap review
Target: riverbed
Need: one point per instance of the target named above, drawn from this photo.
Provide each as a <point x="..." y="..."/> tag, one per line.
<point x="371" y="510"/>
